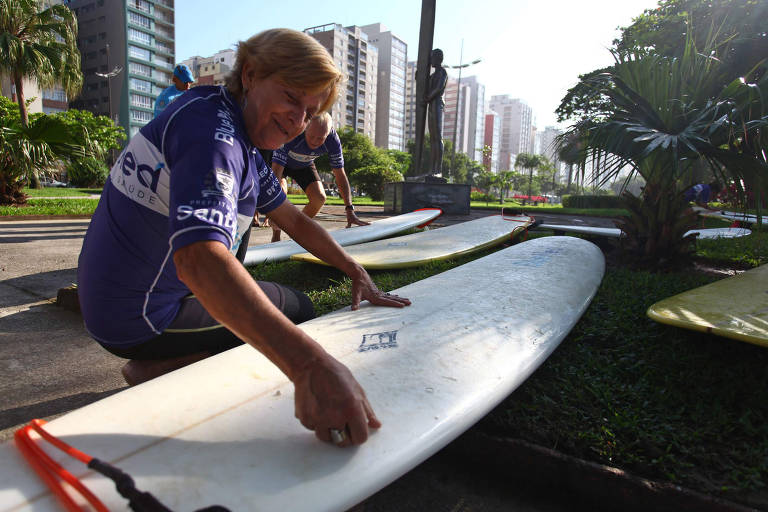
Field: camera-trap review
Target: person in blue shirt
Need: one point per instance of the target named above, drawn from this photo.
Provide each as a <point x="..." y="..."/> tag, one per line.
<point x="702" y="193"/>
<point x="296" y="160"/>
<point x="182" y="78"/>
<point x="159" y="277"/>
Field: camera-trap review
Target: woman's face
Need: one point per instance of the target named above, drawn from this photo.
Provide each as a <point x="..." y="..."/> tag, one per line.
<point x="275" y="114"/>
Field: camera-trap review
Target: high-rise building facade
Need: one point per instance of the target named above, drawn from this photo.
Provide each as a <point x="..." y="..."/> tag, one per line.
<point x="516" y="128"/>
<point x="136" y="38"/>
<point x="470" y="123"/>
<point x="410" y="102"/>
<point x="390" y="88"/>
<point x="350" y="49"/>
<point x="547" y="144"/>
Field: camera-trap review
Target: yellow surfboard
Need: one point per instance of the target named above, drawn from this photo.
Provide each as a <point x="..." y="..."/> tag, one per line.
<point x="434" y="245"/>
<point x="736" y="307"/>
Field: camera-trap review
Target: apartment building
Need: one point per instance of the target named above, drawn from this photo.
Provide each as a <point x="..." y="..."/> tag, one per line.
<point x="410" y="102"/>
<point x="358" y="59"/>
<point x="547" y="144"/>
<point x="516" y="128"/>
<point x="469" y="102"/>
<point x="211" y="70"/>
<point x="135" y="39"/>
<point x="390" y="89"/>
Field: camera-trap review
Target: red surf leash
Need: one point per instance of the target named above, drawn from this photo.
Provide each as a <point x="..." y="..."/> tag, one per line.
<point x="54" y="476"/>
<point x="515" y="212"/>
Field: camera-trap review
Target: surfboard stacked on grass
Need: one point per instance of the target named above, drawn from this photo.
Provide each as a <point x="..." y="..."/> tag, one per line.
<point x="434" y="245"/>
<point x="705" y="233"/>
<point x="222" y="431"/>
<point x="279" y="251"/>
<point x="734" y="307"/>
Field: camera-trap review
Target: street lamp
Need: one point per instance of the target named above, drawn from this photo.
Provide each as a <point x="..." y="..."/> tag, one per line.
<point x="458" y="93"/>
<point x="116" y="71"/>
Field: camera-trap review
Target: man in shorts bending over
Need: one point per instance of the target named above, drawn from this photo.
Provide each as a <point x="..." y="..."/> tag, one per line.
<point x="296" y="159"/>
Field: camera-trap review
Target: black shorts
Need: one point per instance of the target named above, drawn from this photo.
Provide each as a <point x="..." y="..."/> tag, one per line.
<point x="195" y="330"/>
<point x="304" y="176"/>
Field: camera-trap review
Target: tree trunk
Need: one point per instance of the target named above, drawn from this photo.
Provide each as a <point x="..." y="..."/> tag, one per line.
<point x="34" y="179"/>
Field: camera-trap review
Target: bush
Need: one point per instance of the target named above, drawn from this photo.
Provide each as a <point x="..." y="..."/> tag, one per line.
<point x="592" y="202"/>
<point x="87" y="172"/>
<point x="482" y="196"/>
<point x="371" y="179"/>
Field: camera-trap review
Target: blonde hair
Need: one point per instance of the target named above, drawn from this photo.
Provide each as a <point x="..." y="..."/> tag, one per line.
<point x="323" y="119"/>
<point x="295" y="59"/>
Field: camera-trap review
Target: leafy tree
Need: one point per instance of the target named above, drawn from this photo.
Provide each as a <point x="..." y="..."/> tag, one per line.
<point x="100" y="131"/>
<point x="371" y="179"/>
<point x="734" y="29"/>
<point x="401" y="159"/>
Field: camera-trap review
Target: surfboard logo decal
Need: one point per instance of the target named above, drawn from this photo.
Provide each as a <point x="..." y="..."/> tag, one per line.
<point x="377" y="341"/>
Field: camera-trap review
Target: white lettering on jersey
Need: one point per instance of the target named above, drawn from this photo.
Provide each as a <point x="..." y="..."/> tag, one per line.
<point x="140" y="173"/>
<point x="225" y="131"/>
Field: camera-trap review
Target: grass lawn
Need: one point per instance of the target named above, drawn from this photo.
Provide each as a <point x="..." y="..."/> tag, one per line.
<point x="77" y="203"/>
<point x="61" y="192"/>
<point x="660" y="402"/>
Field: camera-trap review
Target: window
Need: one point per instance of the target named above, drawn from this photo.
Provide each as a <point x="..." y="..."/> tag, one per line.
<point x="138" y="19"/>
<point x="137" y="100"/>
<point x="141" y="85"/>
<point x="141" y="116"/>
<point x="139" y="53"/>
<point x="139" y="69"/>
<point x="139" y="36"/>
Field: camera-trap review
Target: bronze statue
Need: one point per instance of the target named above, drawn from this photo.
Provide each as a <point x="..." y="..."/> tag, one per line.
<point x="436" y="106"/>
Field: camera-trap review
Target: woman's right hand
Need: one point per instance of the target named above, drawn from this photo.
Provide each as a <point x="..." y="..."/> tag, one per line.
<point x="328" y="397"/>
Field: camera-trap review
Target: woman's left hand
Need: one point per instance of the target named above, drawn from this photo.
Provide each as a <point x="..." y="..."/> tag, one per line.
<point x="363" y="288"/>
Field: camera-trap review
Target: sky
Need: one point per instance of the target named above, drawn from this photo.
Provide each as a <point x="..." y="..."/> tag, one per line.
<point x="530" y="49"/>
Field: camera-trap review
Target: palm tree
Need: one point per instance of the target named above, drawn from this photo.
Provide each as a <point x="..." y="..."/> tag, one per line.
<point x="26" y="150"/>
<point x="666" y="114"/>
<point x="530" y="162"/>
<point x="40" y="45"/>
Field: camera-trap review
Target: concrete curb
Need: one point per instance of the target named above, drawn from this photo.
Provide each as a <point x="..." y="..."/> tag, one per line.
<point x="596" y="486"/>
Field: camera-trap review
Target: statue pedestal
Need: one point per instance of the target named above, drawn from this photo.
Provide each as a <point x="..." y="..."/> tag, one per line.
<point x="406" y="196"/>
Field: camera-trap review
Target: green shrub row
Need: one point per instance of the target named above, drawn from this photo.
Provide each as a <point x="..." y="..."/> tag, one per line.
<point x="592" y="202"/>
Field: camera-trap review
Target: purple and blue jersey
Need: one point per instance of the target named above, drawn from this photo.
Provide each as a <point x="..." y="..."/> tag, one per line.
<point x="297" y="154"/>
<point x="699" y="193"/>
<point x="190" y="175"/>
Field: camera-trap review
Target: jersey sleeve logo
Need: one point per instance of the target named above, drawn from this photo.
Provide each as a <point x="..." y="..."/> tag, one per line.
<point x="219" y="183"/>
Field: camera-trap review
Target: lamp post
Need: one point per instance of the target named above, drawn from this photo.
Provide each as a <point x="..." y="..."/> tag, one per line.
<point x="458" y="94"/>
<point x="109" y="75"/>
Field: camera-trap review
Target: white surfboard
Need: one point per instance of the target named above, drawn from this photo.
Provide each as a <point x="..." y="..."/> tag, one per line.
<point x="222" y="431"/>
<point x="617" y="233"/>
<point x="434" y="245"/>
<point x="279" y="251"/>
<point x="747" y="218"/>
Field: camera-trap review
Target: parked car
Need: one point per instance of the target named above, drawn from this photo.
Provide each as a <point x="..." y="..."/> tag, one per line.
<point x="50" y="182"/>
